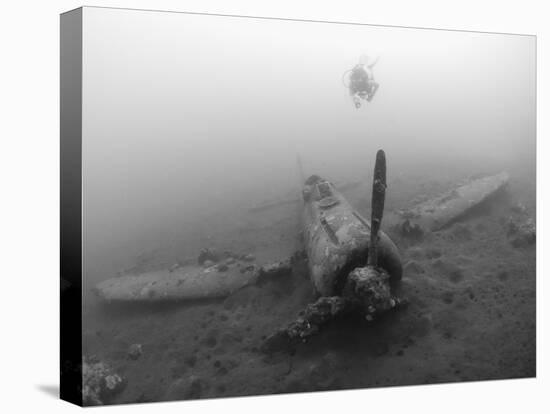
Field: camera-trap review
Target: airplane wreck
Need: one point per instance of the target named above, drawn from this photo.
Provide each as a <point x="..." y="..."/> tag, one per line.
<point x="352" y="265"/>
<point x="439" y="212"/>
<point x="336" y="237"/>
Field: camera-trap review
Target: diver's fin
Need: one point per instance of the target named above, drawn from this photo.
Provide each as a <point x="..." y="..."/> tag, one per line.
<point x="375" y="87"/>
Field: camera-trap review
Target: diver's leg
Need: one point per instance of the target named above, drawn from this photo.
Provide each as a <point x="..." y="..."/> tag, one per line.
<point x="356" y="98"/>
<point x="373" y="89"/>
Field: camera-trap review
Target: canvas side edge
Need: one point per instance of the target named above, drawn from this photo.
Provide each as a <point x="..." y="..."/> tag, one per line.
<point x="71" y="206"/>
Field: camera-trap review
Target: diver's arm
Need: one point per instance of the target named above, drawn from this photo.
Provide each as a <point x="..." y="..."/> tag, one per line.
<point x="374" y="63"/>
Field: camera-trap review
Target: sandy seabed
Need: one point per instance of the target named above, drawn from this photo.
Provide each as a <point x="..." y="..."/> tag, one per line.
<point x="471" y="312"/>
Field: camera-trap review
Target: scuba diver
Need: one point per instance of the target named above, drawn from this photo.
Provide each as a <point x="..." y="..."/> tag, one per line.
<point x="361" y="81"/>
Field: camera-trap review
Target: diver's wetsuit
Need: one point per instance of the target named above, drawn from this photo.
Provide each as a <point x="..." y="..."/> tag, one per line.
<point x="362" y="84"/>
<point x="359" y="81"/>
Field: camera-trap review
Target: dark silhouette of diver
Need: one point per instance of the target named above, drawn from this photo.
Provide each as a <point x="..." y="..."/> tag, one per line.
<point x="361" y="81"/>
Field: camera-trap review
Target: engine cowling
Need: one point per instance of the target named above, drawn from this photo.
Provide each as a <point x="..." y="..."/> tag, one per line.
<point x="337" y="239"/>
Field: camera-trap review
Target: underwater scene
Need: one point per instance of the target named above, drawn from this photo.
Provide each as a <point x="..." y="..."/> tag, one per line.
<point x="278" y="206"/>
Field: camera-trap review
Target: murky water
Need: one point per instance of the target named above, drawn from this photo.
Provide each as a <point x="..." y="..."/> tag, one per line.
<point x="189" y="125"/>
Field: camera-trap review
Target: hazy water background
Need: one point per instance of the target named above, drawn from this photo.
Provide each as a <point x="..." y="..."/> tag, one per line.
<point x="188" y="121"/>
<point x="193" y="119"/>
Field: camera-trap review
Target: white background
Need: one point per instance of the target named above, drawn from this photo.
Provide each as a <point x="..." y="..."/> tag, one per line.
<point x="29" y="134"/>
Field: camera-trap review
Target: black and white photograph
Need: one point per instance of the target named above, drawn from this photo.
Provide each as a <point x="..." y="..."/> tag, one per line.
<point x="281" y="206"/>
<point x="323" y="206"/>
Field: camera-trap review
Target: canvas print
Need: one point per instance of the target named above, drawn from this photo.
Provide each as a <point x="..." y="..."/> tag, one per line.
<point x="262" y="206"/>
